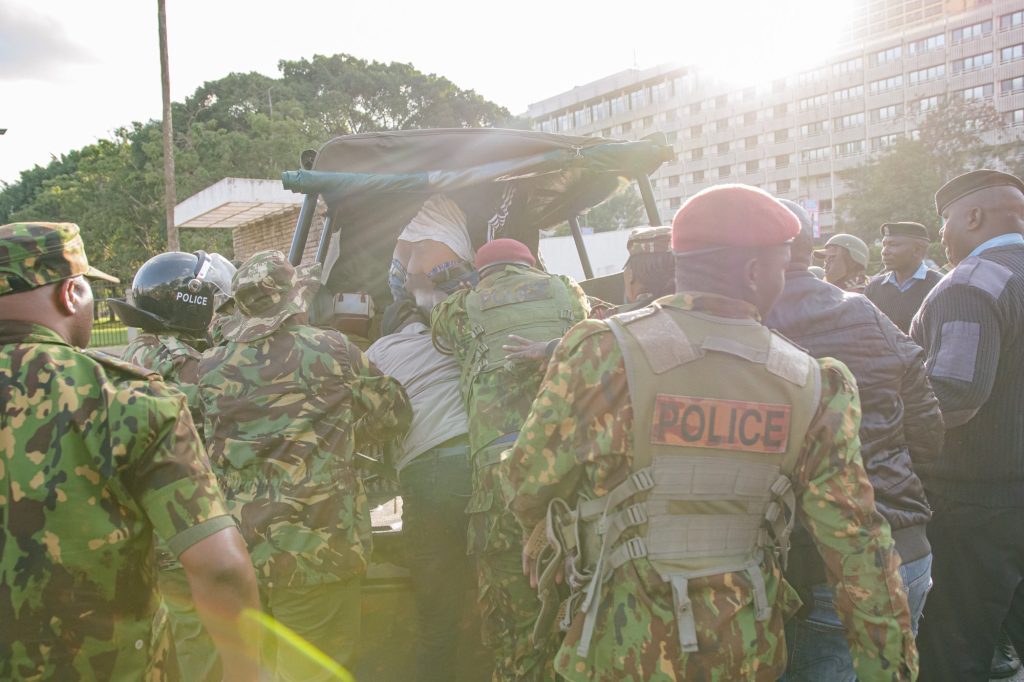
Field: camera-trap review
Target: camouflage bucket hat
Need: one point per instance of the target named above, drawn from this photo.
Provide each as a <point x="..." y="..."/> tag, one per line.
<point x="267" y="291"/>
<point x="35" y="254"/>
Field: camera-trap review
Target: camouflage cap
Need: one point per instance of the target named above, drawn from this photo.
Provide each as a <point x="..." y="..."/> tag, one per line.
<point x="267" y="291"/>
<point x="649" y="240"/>
<point x="36" y="254"/>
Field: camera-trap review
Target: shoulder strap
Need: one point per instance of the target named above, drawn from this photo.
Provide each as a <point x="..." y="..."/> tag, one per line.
<point x="110" y="362"/>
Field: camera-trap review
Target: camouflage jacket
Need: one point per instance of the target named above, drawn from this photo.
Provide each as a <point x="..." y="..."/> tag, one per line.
<point x="95" y="456"/>
<point x="501" y="400"/>
<point x="635" y="635"/>
<point x="855" y="284"/>
<point x="175" y="358"/>
<point x="284" y="414"/>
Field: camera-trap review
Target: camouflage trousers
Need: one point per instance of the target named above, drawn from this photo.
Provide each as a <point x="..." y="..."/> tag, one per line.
<point x="193" y="647"/>
<point x="509" y="606"/>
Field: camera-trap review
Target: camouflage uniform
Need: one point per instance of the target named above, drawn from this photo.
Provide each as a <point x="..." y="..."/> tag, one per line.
<point x="95" y="456"/>
<point x="855" y="284"/>
<point x="497" y="407"/>
<point x="176" y="359"/>
<point x="285" y="404"/>
<point x="578" y="443"/>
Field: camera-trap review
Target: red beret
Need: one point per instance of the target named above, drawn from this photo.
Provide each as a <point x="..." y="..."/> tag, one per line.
<point x="503" y="251"/>
<point x="732" y="215"/>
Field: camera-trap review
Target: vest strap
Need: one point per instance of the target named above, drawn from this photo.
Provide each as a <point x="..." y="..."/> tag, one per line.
<point x="638" y="482"/>
<point x="685" y="623"/>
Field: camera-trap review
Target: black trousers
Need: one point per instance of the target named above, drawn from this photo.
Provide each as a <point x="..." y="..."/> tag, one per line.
<point x="978" y="571"/>
<point x="435" y="489"/>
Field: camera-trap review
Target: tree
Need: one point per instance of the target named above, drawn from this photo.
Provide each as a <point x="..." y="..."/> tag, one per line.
<point x="242" y="125"/>
<point x="623" y="209"/>
<point x="900" y="184"/>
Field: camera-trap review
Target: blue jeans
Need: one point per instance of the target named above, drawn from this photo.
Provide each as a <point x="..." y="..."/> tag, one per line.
<point x="816" y="646"/>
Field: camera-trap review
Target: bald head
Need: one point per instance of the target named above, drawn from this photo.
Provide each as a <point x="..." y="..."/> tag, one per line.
<point x="979" y="216"/>
<point x="66" y="307"/>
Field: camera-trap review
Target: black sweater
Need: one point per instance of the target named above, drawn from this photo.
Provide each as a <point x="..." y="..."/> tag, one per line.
<point x="900" y="306"/>
<point x="972" y="327"/>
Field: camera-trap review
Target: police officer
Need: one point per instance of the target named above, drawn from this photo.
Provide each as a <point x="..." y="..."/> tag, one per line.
<point x="512" y="297"/>
<point x="668" y="451"/>
<point x="172" y="300"/>
<point x="900" y="290"/>
<point x="846" y="261"/>
<point x="285" y="405"/>
<point x="649" y="272"/>
<point x="971" y="327"/>
<point x="97" y="457"/>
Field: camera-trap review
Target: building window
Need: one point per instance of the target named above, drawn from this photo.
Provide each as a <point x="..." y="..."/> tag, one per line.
<point x="671" y="136"/>
<point x="752" y="167"/>
<point x="782" y="186"/>
<point x="648" y="121"/>
<point x="849" y="66"/>
<point x="698" y="176"/>
<point x="724" y="171"/>
<point x="547" y="126"/>
<point x="721" y="101"/>
<point x="848" y="93"/>
<point x="849" y="121"/>
<point x="1014" y="118"/>
<point x="581" y="117"/>
<point x="850" y="148"/>
<point x="670" y="115"/>
<point x="816" y="102"/>
<point x="697" y="154"/>
<point x="825" y="205"/>
<point x="1011" y="85"/>
<point x="607" y="132"/>
<point x="926" y="104"/>
<point x="818" y="154"/>
<point x="962" y="35"/>
<point x="721" y="125"/>
<point x="812" y="129"/>
<point x="885" y="84"/>
<point x="694" y="108"/>
<point x="620" y="105"/>
<point x="627" y="126"/>
<point x="723" y="148"/>
<point x="822" y="181"/>
<point x="890" y="113"/>
<point x="673" y="181"/>
<point x="808" y="77"/>
<point x="929" y="74"/>
<point x="782" y="161"/>
<point x="696" y="131"/>
<point x="637" y="99"/>
<point x="972" y="63"/>
<point x="978" y="92"/>
<point x="674" y="203"/>
<point x="750" y="142"/>
<point x="780" y="110"/>
<point x="1012" y="53"/>
<point x="1012" y="20"/>
<point x="750" y="118"/>
<point x="888" y="55"/>
<point x="927" y="44"/>
<point x="884" y="142"/>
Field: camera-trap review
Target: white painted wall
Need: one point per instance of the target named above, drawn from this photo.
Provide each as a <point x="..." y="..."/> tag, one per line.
<point x="607" y="251"/>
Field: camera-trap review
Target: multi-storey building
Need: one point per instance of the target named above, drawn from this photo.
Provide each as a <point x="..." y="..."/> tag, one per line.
<point x="794" y="135"/>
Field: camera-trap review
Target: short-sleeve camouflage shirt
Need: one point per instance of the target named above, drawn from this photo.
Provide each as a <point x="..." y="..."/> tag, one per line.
<point x="95" y="456"/>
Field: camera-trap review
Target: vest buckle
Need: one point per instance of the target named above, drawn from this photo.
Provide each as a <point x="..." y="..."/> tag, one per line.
<point x="643" y="480"/>
<point x="635" y="548"/>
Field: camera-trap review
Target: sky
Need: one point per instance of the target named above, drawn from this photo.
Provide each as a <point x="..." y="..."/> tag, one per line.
<point x="71" y="72"/>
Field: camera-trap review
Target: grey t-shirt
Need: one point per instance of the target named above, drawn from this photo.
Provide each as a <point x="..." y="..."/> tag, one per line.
<point x="430" y="379"/>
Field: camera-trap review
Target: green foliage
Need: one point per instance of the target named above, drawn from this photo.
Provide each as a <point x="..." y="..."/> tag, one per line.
<point x="900" y="184"/>
<point x="623" y="209"/>
<point x="243" y="125"/>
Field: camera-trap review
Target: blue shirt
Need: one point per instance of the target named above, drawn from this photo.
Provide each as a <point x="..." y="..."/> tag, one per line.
<point x="1001" y="240"/>
<point x="921" y="273"/>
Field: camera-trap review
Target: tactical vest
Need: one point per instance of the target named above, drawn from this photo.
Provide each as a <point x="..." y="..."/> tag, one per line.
<point x="518" y="300"/>
<point x="720" y="413"/>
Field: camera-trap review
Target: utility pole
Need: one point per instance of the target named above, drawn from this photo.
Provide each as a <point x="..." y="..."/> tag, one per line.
<point x="165" y="82"/>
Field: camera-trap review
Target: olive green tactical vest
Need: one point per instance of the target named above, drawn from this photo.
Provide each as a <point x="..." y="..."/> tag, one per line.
<point x="517" y="300"/>
<point x="720" y="414"/>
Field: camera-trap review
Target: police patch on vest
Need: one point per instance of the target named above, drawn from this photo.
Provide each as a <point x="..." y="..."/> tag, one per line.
<point x="532" y="291"/>
<point x="686" y="421"/>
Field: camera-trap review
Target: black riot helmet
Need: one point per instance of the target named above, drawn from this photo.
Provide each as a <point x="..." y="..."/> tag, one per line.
<point x="176" y="291"/>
